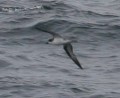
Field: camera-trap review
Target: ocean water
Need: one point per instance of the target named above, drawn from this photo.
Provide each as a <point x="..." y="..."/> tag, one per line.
<point x="30" y="68"/>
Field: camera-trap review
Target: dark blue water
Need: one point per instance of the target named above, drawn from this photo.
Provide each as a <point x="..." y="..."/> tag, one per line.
<point x="30" y="68"/>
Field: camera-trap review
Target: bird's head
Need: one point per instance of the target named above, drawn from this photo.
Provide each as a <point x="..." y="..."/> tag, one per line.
<point x="50" y="41"/>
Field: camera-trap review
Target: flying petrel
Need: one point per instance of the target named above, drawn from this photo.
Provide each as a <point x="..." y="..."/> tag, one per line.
<point x="59" y="40"/>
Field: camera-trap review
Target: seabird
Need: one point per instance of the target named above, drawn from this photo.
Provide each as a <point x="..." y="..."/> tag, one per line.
<point x="59" y="40"/>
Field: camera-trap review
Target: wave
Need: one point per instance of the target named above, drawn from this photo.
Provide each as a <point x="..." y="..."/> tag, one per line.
<point x="66" y="26"/>
<point x="96" y="14"/>
<point x="10" y="9"/>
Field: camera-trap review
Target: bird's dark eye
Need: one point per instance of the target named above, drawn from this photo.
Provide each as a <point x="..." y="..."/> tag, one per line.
<point x="50" y="40"/>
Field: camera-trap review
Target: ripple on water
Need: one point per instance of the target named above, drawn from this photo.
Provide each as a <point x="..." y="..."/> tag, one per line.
<point x="4" y="63"/>
<point x="77" y="90"/>
<point x="97" y="96"/>
<point x="20" y="57"/>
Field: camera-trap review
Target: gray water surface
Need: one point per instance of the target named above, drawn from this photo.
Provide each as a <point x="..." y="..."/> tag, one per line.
<point x="30" y="68"/>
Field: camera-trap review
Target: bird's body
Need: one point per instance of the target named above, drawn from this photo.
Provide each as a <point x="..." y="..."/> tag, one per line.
<point x="59" y="40"/>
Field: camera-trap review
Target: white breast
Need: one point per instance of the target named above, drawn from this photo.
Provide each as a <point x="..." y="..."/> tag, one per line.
<point x="59" y="41"/>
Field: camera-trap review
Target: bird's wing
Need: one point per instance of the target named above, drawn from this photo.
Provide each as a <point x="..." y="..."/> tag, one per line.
<point x="55" y="35"/>
<point x="69" y="50"/>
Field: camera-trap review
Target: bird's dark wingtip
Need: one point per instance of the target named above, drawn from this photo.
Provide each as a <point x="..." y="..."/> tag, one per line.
<point x="80" y="67"/>
<point x="69" y="50"/>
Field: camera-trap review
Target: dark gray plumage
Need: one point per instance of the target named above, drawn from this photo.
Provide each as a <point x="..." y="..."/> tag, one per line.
<point x="69" y="50"/>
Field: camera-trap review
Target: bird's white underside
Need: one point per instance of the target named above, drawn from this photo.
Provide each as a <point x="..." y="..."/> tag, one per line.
<point x="59" y="41"/>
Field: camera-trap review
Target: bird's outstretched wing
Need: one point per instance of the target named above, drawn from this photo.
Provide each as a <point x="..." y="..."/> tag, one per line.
<point x="50" y="32"/>
<point x="69" y="50"/>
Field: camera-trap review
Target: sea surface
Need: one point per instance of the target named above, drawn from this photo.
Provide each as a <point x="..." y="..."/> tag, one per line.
<point x="30" y="68"/>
